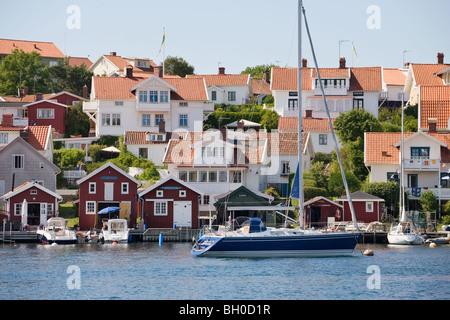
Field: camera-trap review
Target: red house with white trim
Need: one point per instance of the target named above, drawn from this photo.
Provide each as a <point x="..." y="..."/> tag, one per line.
<point x="41" y="203"/>
<point x="108" y="186"/>
<point x="170" y="202"/>
<point x="368" y="208"/>
<point x="47" y="113"/>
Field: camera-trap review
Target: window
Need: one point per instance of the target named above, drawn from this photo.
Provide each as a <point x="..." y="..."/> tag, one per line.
<point x="125" y="187"/>
<point x="206" y="199"/>
<point x="164" y="96"/>
<point x="232" y="96"/>
<point x="143" y="96"/>
<point x="41" y="165"/>
<point x="213" y="176"/>
<point x="293" y="94"/>
<point x="17" y="209"/>
<point x="160" y="208"/>
<point x="146" y="120"/>
<point x="183" y="104"/>
<point x="393" y="176"/>
<point x="17" y="161"/>
<point x="223" y="176"/>
<point x="420" y="153"/>
<point x="192" y="176"/>
<point x="182" y="175"/>
<point x="153" y="96"/>
<point x="182" y="193"/>
<point x="293" y="104"/>
<point x="413" y="180"/>
<point x="142" y="63"/>
<point x="235" y="176"/>
<point x="3" y="138"/>
<point x="358" y="104"/>
<point x="90" y="207"/>
<point x="323" y="139"/>
<point x="106" y="121"/>
<point x="33" y="191"/>
<point x="50" y="209"/>
<point x="46" y="113"/>
<point x="183" y="120"/>
<point x="116" y="119"/>
<point x="203" y="176"/>
<point x="285" y="168"/>
<point x="369" y="206"/>
<point x="158" y="118"/>
<point x="159" y="193"/>
<point x="92" y="187"/>
<point x="118" y="103"/>
<point x="213" y="95"/>
<point x="143" y="153"/>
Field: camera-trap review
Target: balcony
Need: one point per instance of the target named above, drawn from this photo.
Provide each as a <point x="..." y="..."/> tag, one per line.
<point x="90" y="106"/>
<point x="421" y="164"/>
<point x="331" y="90"/>
<point x="145" y="106"/>
<point x="440" y="193"/>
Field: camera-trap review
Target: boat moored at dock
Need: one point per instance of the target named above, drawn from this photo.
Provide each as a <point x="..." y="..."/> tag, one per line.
<point x="56" y="232"/>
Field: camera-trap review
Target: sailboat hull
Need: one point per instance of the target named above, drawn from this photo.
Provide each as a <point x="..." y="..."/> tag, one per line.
<point x="326" y="244"/>
<point x="405" y="239"/>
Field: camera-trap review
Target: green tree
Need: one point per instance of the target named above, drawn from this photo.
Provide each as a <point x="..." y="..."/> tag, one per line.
<point x="336" y="185"/>
<point x="66" y="158"/>
<point x="258" y="71"/>
<point x="178" y="66"/>
<point x="353" y="124"/>
<point x="21" y="69"/>
<point x="389" y="191"/>
<point x="429" y="202"/>
<point x="77" y="122"/>
<point x="64" y="77"/>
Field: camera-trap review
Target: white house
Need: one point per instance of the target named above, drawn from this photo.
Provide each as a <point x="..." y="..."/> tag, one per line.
<point x="217" y="162"/>
<point x="120" y="104"/>
<point x="148" y="145"/>
<point x="426" y="161"/>
<point x="345" y="88"/>
<point x="227" y="88"/>
<point x="113" y="65"/>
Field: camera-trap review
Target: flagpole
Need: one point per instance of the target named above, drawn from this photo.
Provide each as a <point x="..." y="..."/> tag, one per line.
<point x="164" y="52"/>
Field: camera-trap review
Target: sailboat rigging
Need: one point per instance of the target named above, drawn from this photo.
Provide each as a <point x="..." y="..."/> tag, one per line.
<point x="255" y="239"/>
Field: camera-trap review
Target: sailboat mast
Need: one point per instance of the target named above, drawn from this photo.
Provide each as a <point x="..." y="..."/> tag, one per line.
<point x="300" y="125"/>
<point x="402" y="190"/>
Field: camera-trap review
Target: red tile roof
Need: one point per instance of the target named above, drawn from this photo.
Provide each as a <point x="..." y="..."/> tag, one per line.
<point x="309" y="124"/>
<point x="394" y="77"/>
<point x="366" y="79"/>
<point x="260" y="86"/>
<point x="37" y="136"/>
<point x="45" y="49"/>
<point x="223" y="79"/>
<point x="120" y="88"/>
<point x="425" y="74"/>
<point x="331" y="73"/>
<point x="140" y="137"/>
<point x="286" y="142"/>
<point x="435" y="103"/>
<point x="287" y="78"/>
<point x="75" y="61"/>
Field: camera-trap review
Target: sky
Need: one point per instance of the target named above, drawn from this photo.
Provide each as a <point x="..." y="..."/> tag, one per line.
<point x="236" y="34"/>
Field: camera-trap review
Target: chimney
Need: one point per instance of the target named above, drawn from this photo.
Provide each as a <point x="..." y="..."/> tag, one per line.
<point x="39" y="97"/>
<point x="129" y="71"/>
<point x="158" y="71"/>
<point x="432" y="125"/>
<point x="85" y="92"/>
<point x="113" y="54"/>
<point x="223" y="131"/>
<point x="25" y="91"/>
<point x="342" y="63"/>
<point x="7" y="120"/>
<point x="266" y="76"/>
<point x="440" y="58"/>
<point x="222" y="70"/>
<point x="308" y="113"/>
<point x="240" y="125"/>
<point x="304" y="63"/>
<point x="162" y="127"/>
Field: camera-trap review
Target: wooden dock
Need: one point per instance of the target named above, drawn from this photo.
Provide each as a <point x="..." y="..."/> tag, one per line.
<point x="170" y="235"/>
<point x="18" y="237"/>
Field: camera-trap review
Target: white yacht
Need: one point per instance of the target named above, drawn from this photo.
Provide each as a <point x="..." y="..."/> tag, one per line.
<point x="56" y="232"/>
<point x="115" y="230"/>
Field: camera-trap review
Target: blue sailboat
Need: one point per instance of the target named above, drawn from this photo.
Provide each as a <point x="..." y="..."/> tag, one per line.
<point x="253" y="239"/>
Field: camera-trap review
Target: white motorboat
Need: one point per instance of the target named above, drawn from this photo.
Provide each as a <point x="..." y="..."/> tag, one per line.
<point x="115" y="230"/>
<point x="56" y="232"/>
<point x="405" y="233"/>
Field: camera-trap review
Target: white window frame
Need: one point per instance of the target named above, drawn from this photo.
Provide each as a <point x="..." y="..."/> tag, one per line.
<point x="88" y="203"/>
<point x="369" y="206"/>
<point x="21" y="162"/>
<point x="17" y="209"/>
<point x="159" y="193"/>
<point x="146" y="120"/>
<point x="183" y="120"/>
<point x="46" y="113"/>
<point x="143" y="96"/>
<point x="92" y="184"/>
<point x="127" y="187"/>
<point x="164" y="96"/>
<point x="182" y="194"/>
<point x="160" y="208"/>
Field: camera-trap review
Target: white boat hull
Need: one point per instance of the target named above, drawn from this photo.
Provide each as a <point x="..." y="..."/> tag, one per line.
<point x="404" y="239"/>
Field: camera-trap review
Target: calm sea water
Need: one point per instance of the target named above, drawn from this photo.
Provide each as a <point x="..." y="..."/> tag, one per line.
<point x="147" y="271"/>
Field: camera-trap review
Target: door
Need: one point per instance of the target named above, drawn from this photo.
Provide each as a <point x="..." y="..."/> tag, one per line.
<point x="109" y="190"/>
<point x="43" y="214"/>
<point x="182" y="213"/>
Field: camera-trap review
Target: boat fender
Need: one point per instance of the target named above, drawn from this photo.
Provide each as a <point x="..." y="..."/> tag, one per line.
<point x="368" y="252"/>
<point x="432" y="245"/>
<point x="114" y="243"/>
